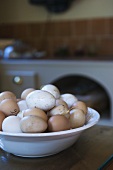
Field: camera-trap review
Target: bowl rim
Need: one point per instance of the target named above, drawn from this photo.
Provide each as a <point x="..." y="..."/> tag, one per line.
<point x="95" y="116"/>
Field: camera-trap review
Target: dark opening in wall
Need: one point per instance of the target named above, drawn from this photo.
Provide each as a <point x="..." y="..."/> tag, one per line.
<point x="87" y="90"/>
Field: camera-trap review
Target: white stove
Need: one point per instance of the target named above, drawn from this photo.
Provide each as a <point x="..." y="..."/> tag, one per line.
<point x="47" y="71"/>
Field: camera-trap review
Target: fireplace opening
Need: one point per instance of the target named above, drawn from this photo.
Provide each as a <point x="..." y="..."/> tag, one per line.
<point x="87" y="90"/>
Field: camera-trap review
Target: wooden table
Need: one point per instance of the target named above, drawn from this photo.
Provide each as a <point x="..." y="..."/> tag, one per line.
<point x="92" y="149"/>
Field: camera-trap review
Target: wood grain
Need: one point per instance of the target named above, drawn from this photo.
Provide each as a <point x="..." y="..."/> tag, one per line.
<point x="92" y="149"/>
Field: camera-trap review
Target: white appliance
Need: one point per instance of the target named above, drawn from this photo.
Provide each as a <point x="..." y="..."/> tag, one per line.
<point x="47" y="71"/>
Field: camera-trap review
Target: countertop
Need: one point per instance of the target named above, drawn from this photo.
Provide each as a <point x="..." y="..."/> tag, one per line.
<point x="92" y="149"/>
<point x="94" y="57"/>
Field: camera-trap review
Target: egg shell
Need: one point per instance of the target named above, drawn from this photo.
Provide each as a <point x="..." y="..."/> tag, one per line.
<point x="26" y="92"/>
<point x="40" y="99"/>
<point x="77" y="118"/>
<point x="33" y="124"/>
<point x="52" y="89"/>
<point x="20" y="114"/>
<point x="58" y="123"/>
<point x="61" y="102"/>
<point x="9" y="107"/>
<point x="11" y="124"/>
<point x="2" y="117"/>
<point x="80" y="105"/>
<point x="70" y="99"/>
<point x="35" y="112"/>
<point x="17" y="100"/>
<point x="58" y="110"/>
<point x="22" y="105"/>
<point x="7" y="95"/>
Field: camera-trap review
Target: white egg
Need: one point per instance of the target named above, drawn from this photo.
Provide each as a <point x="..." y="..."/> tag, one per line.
<point x="40" y="99"/>
<point x="22" y="105"/>
<point x="11" y="124"/>
<point x="20" y="114"/>
<point x="52" y="89"/>
<point x="70" y="99"/>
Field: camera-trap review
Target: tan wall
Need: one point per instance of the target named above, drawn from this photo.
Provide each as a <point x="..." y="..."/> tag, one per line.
<point x="22" y="11"/>
<point x="87" y="23"/>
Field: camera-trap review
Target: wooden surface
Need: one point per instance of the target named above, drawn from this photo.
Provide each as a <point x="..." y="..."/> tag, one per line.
<point x="92" y="149"/>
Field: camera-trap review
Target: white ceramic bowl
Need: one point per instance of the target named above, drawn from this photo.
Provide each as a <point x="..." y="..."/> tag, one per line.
<point x="44" y="144"/>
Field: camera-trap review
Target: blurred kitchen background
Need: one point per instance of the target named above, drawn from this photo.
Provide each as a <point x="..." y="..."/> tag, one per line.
<point x="68" y="43"/>
<point x="57" y="29"/>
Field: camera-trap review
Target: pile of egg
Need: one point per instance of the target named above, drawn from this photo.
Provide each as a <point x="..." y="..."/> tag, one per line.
<point x="43" y="110"/>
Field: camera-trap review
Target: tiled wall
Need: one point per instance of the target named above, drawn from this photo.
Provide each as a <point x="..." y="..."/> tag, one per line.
<point x="92" y="35"/>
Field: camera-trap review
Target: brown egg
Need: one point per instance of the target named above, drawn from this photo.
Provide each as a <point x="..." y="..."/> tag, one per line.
<point x="58" y="123"/>
<point x="7" y="95"/>
<point x="33" y="124"/>
<point x="26" y="92"/>
<point x="35" y="112"/>
<point x="2" y="117"/>
<point x="61" y="102"/>
<point x="9" y="107"/>
<point x="77" y="118"/>
<point x="59" y="110"/>
<point x="80" y="105"/>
